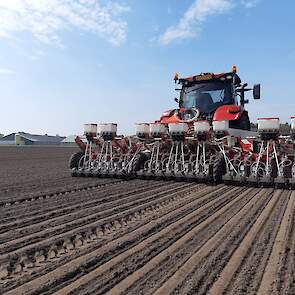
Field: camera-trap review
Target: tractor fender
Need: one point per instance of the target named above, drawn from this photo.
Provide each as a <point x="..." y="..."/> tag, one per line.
<point x="228" y="113"/>
<point x="169" y="116"/>
<point x="172" y="116"/>
<point x="168" y="113"/>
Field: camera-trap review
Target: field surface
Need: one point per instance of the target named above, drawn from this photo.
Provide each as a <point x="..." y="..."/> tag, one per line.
<point x="63" y="235"/>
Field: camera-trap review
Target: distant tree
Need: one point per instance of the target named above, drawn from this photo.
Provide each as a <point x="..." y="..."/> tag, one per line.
<point x="1" y="135"/>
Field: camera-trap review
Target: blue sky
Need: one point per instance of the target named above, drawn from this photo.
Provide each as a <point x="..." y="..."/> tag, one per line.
<point x="64" y="63"/>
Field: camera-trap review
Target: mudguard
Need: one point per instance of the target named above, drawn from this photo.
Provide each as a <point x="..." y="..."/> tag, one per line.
<point x="169" y="117"/>
<point x="228" y="113"/>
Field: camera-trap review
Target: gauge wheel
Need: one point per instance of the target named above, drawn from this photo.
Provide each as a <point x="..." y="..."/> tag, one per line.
<point x="75" y="159"/>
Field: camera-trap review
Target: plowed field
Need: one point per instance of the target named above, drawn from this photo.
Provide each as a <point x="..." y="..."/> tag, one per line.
<point x="63" y="235"/>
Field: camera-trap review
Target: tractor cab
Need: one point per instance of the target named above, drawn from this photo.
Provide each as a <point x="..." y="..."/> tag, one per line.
<point x="207" y="92"/>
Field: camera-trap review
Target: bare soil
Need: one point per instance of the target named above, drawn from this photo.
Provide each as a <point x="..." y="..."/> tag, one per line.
<point x="64" y="235"/>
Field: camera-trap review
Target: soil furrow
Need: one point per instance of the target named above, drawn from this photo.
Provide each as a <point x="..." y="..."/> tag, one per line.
<point x="270" y="273"/>
<point x="235" y="261"/>
<point x="91" y="242"/>
<point x="68" y="201"/>
<point x="67" y="215"/>
<point x="90" y="220"/>
<point x="285" y="282"/>
<point x="143" y="278"/>
<point x="77" y="267"/>
<point x="176" y="264"/>
<point x="151" y="246"/>
<point x="189" y="272"/>
<point x="38" y="196"/>
<point x="86" y="235"/>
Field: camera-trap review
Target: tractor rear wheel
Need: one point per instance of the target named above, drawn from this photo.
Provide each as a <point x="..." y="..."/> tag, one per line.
<point x="242" y="123"/>
<point x="75" y="159"/>
<point x="219" y="168"/>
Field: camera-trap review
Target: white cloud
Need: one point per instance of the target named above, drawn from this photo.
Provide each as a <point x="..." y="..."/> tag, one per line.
<point x="44" y="19"/>
<point x="37" y="54"/>
<point x="4" y="71"/>
<point x="190" y="24"/>
<point x="250" y="3"/>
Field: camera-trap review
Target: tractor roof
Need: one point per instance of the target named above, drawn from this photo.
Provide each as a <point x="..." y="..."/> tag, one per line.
<point x="210" y="77"/>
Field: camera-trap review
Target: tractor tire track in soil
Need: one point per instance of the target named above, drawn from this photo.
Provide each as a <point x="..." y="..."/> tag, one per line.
<point x="60" y="235"/>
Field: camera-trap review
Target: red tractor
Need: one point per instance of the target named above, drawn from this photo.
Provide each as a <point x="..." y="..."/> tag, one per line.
<point x="208" y="138"/>
<point x="212" y="97"/>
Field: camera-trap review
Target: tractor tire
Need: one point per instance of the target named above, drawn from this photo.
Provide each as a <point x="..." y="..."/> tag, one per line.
<point x="218" y="168"/>
<point x="138" y="162"/>
<point x="75" y="159"/>
<point x="242" y="123"/>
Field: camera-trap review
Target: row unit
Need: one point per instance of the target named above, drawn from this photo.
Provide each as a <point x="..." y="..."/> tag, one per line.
<point x="158" y="129"/>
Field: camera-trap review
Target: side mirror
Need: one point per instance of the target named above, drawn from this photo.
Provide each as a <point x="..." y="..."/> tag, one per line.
<point x="256" y="91"/>
<point x="176" y="100"/>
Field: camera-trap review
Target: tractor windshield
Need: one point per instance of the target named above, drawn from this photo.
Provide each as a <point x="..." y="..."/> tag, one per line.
<point x="207" y="97"/>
